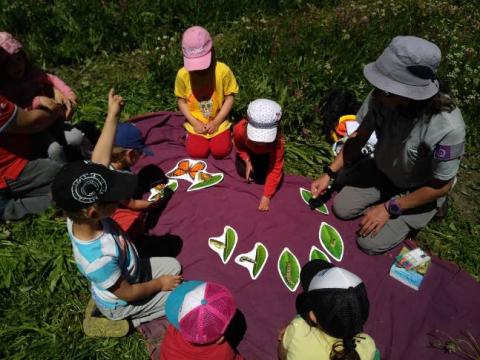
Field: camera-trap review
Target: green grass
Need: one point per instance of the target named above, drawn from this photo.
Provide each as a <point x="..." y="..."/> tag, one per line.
<point x="290" y="51"/>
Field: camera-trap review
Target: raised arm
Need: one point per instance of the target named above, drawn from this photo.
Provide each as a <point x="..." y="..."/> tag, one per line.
<point x="102" y="152"/>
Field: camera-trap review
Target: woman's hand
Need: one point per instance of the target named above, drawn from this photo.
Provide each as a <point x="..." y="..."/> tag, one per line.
<point x="374" y="219"/>
<point x="320" y="185"/>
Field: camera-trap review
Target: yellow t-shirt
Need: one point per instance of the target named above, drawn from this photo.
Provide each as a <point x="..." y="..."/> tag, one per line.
<point x="304" y="342"/>
<point x="208" y="107"/>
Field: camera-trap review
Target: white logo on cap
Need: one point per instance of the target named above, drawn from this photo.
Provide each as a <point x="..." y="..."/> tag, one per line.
<point x="87" y="188"/>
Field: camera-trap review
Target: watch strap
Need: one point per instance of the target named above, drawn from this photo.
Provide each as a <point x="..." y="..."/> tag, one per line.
<point x="327" y="170"/>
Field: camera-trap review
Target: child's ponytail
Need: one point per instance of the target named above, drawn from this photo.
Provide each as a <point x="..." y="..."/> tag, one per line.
<point x="344" y="350"/>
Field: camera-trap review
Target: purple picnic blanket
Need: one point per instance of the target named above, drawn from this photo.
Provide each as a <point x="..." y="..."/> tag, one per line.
<point x="400" y="320"/>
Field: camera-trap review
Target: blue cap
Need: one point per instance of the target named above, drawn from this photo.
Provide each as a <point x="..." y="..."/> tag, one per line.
<point x="128" y="136"/>
<point x="175" y="300"/>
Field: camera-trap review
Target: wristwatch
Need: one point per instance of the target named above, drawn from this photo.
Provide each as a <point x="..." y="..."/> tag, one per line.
<point x="327" y="170"/>
<point x="394" y="208"/>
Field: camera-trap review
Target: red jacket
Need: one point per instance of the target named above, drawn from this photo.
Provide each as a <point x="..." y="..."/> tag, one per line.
<point x="15" y="149"/>
<point x="174" y="347"/>
<point x="276" y="150"/>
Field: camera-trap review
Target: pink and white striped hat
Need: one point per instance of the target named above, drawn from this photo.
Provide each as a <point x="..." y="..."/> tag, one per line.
<point x="201" y="311"/>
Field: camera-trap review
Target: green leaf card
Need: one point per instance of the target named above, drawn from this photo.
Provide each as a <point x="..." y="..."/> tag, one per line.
<point x="162" y="190"/>
<point x="316" y="253"/>
<point x="331" y="241"/>
<point x="205" y="179"/>
<point x="224" y="245"/>
<point x="319" y="206"/>
<point x="254" y="261"/>
<point x="289" y="269"/>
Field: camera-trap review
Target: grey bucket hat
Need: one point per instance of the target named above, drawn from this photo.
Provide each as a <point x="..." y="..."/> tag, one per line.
<point x="407" y="67"/>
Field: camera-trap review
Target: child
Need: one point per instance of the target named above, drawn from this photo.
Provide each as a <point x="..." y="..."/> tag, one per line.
<point x="260" y="148"/>
<point x="205" y="89"/>
<point x="119" y="147"/>
<point x="123" y="286"/>
<point x="31" y="88"/>
<point x="333" y="309"/>
<point x="199" y="313"/>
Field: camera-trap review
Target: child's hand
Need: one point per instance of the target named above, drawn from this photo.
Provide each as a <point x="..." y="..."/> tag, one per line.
<point x="281" y="333"/>
<point x="248" y="171"/>
<point x="211" y="126"/>
<point x="169" y="282"/>
<point x="115" y="103"/>
<point x="264" y="204"/>
<point x="199" y="127"/>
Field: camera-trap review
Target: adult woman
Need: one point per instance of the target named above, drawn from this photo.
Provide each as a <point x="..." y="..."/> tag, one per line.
<point x="420" y="141"/>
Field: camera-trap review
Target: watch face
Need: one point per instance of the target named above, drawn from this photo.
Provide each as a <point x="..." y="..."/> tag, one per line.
<point x="394" y="208"/>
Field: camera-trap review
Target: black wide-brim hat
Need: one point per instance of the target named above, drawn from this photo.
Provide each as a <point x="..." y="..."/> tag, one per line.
<point x="81" y="184"/>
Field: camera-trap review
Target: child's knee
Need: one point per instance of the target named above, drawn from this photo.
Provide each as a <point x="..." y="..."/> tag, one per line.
<point x="74" y="137"/>
<point x="221" y="153"/>
<point x="173" y="265"/>
<point x="198" y="153"/>
<point x="221" y="147"/>
<point x="56" y="152"/>
<point x="197" y="150"/>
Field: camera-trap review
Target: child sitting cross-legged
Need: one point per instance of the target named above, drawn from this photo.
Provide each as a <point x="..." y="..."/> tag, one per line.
<point x="332" y="311"/>
<point x="123" y="286"/>
<point x="199" y="313"/>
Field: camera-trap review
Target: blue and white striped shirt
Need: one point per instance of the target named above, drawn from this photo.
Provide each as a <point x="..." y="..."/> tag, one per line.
<point x="104" y="260"/>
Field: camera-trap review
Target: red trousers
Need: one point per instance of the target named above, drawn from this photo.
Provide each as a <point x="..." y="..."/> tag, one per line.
<point x="199" y="147"/>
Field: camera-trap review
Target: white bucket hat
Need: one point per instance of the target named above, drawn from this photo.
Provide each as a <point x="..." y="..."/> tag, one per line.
<point x="263" y="117"/>
<point x="407" y="67"/>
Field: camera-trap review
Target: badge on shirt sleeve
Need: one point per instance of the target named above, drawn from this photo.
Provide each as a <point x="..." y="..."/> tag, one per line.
<point x="448" y="152"/>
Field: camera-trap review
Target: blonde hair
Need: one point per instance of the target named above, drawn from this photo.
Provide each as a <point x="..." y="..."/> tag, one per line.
<point x="118" y="154"/>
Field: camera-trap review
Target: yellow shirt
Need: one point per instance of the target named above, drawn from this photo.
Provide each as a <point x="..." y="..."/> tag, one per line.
<point x="303" y="342"/>
<point x="207" y="107"/>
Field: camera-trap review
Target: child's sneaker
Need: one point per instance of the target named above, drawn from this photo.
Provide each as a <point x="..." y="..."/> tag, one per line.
<point x="96" y="325"/>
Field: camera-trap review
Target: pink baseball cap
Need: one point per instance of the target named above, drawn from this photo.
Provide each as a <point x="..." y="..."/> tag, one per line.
<point x="9" y="43"/>
<point x="201" y="311"/>
<point x="197" y="48"/>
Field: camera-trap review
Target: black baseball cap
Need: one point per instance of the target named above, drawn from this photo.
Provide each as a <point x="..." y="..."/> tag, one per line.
<point x="81" y="184"/>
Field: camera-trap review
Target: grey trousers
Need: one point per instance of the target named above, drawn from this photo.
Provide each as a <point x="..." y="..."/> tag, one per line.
<point x="152" y="307"/>
<point x="30" y="192"/>
<point x="364" y="186"/>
